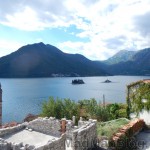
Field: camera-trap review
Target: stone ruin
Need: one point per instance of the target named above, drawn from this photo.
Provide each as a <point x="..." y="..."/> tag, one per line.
<point x="64" y="134"/>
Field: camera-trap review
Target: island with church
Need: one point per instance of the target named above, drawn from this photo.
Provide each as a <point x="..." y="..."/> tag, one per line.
<point x="77" y="81"/>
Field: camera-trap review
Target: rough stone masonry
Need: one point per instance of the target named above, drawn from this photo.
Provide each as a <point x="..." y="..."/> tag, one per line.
<point x="47" y="134"/>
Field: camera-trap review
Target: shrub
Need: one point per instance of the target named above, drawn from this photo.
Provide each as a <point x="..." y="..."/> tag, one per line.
<point x="60" y="108"/>
<point x="70" y="108"/>
<point x="102" y="114"/>
<point x="117" y="110"/>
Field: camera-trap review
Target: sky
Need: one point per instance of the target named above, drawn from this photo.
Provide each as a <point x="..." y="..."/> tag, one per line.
<point x="96" y="29"/>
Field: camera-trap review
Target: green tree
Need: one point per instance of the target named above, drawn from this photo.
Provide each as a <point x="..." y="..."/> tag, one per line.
<point x="113" y="110"/>
<point x="117" y="110"/>
<point x="91" y="107"/>
<point x="52" y="108"/>
<point x="70" y="108"/>
<point x="60" y="108"/>
<point x="102" y="113"/>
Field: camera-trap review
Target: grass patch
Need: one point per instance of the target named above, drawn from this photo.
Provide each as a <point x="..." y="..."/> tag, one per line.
<point x="107" y="129"/>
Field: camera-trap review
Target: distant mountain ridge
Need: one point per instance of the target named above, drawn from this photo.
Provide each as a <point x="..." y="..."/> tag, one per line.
<point x="121" y="56"/>
<point x="138" y="64"/>
<point x="40" y="60"/>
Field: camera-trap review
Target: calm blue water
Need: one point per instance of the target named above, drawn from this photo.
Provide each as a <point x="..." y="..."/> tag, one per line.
<point x="24" y="96"/>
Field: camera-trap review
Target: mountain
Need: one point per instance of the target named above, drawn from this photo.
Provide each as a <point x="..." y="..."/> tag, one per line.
<point x="121" y="56"/>
<point x="138" y="64"/>
<point x="40" y="60"/>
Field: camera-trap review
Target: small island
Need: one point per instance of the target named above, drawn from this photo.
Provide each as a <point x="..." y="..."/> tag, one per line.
<point x="107" y="81"/>
<point x="77" y="81"/>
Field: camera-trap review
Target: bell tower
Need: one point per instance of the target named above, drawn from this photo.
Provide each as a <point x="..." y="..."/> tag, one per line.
<point x="0" y="105"/>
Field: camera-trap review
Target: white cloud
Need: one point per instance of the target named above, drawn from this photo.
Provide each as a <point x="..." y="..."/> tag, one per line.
<point x="34" y="15"/>
<point x="103" y="22"/>
<point x="26" y="20"/>
<point x="7" y="47"/>
<point x="92" y="50"/>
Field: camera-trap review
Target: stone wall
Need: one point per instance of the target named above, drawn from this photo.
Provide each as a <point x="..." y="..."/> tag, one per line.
<point x="70" y="128"/>
<point x="58" y="144"/>
<point x="4" y="145"/>
<point x="81" y="137"/>
<point x="50" y="126"/>
<point x="85" y="136"/>
<point x="11" y="130"/>
<point x="124" y="134"/>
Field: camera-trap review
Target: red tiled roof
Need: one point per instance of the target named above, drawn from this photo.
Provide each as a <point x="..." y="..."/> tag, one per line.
<point x="146" y="81"/>
<point x="11" y="124"/>
<point x="138" y="82"/>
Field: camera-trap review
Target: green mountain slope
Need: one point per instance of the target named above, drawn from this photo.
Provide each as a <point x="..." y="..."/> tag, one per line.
<point x="121" y="56"/>
<point x="40" y="60"/>
<point x="138" y="64"/>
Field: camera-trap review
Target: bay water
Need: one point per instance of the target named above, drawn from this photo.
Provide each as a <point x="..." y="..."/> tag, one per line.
<point x="24" y="96"/>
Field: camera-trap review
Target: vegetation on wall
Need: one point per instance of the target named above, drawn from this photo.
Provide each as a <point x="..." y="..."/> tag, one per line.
<point x="138" y="97"/>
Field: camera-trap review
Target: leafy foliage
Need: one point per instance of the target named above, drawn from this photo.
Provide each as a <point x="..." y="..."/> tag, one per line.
<point x="70" y="108"/>
<point x="87" y="109"/>
<point x="137" y="95"/>
<point x="102" y="114"/>
<point x="117" y="110"/>
<point x="60" y="108"/>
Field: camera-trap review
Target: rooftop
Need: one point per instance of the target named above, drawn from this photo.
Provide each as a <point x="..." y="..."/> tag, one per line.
<point x="146" y="81"/>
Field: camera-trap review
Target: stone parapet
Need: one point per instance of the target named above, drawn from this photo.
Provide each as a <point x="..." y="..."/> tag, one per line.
<point x="58" y="144"/>
<point x="85" y="136"/>
<point x="82" y="137"/>
<point x="126" y="132"/>
<point x="50" y="126"/>
<point x="11" y="130"/>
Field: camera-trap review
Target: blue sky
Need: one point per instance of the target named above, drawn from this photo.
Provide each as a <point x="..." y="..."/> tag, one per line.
<point x="96" y="29"/>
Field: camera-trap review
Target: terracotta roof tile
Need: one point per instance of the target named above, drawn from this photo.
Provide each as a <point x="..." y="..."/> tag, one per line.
<point x="146" y="81"/>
